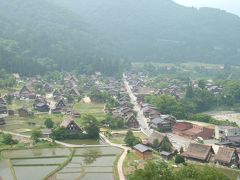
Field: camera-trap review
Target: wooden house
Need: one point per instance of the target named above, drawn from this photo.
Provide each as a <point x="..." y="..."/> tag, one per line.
<point x="132" y="122"/>
<point x="26" y="93"/>
<point x="227" y="157"/>
<point x="143" y="151"/>
<point x="160" y="137"/>
<point x="42" y="107"/>
<point x="74" y="92"/>
<point x="162" y="123"/>
<point x="2" y="120"/>
<point x="60" y="104"/>
<point x="48" y="88"/>
<point x="56" y="93"/>
<point x="2" y="101"/>
<point x="198" y="152"/>
<point x="166" y="155"/>
<point x="71" y="125"/>
<point x="3" y="109"/>
<point x="11" y="112"/>
<point x="56" y="111"/>
<point x="23" y="112"/>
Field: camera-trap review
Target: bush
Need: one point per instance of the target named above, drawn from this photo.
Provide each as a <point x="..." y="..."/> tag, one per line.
<point x="179" y="159"/>
<point x="8" y="140"/>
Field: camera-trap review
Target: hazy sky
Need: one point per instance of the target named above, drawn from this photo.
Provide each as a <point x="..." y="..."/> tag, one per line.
<point x="232" y="6"/>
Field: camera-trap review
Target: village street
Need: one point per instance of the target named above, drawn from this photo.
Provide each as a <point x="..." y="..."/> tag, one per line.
<point x="140" y="117"/>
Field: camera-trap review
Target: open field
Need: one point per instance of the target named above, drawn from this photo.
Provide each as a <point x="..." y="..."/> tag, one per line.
<point x="94" y="109"/>
<point x="21" y="124"/>
<point x="63" y="163"/>
<point x="16" y="104"/>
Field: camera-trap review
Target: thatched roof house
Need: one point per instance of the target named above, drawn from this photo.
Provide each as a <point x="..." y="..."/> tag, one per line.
<point x="227" y="156"/>
<point x="71" y="125"/>
<point x="198" y="152"/>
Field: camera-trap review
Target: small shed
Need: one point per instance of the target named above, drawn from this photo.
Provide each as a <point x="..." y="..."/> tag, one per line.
<point x="143" y="151"/>
<point x="46" y="133"/>
<point x="166" y="155"/>
<point x="23" y="112"/>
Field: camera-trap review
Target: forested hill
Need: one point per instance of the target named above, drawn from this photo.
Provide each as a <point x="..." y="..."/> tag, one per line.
<point x="93" y="35"/>
<point x="37" y="36"/>
<point x="162" y="30"/>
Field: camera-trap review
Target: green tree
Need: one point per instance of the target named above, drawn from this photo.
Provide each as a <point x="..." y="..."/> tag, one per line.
<point x="9" y="99"/>
<point x="49" y="123"/>
<point x="130" y="139"/>
<point x="36" y="135"/>
<point x="179" y="159"/>
<point x="91" y="126"/>
<point x="202" y="83"/>
<point x="189" y="92"/>
<point x="153" y="171"/>
<point x="8" y="139"/>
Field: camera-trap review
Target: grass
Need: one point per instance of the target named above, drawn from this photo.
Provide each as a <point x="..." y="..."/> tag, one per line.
<point x="16" y="104"/>
<point x="118" y="138"/>
<point x="20" y="124"/>
<point x="97" y="110"/>
<point x="230" y="173"/>
<point x="129" y="163"/>
<point x="82" y="141"/>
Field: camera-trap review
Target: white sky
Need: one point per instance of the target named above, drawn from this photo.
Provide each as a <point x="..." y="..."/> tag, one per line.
<point x="232" y="6"/>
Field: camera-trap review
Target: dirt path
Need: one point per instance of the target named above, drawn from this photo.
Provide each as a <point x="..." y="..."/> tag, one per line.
<point x="122" y="157"/>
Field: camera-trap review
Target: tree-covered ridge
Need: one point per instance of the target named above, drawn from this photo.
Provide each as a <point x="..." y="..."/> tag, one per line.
<point x="37" y="36"/>
<point x="88" y="36"/>
<point x="162" y="30"/>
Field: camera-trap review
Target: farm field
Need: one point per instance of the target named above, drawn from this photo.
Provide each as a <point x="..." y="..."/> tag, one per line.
<point x="25" y="125"/>
<point x="59" y="163"/>
<point x="94" y="109"/>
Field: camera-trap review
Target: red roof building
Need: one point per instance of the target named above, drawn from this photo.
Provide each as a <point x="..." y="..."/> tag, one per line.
<point x="192" y="131"/>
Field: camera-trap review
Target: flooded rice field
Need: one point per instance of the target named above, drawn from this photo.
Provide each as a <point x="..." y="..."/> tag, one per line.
<point x="88" y="163"/>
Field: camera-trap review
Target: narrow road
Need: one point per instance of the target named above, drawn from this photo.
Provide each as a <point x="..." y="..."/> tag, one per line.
<point x="122" y="157"/>
<point x="140" y="117"/>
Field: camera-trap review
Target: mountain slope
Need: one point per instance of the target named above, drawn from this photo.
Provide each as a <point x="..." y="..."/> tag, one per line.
<point x="47" y="36"/>
<point x="162" y="30"/>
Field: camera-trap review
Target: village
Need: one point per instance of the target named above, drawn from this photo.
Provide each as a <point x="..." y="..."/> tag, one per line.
<point x="123" y="113"/>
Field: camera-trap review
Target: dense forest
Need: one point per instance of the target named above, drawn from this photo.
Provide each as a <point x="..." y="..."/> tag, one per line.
<point x="88" y="36"/>
<point x="37" y="36"/>
<point x="161" y="30"/>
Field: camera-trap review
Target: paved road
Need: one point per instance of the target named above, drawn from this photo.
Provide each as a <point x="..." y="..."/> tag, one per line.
<point x="140" y="117"/>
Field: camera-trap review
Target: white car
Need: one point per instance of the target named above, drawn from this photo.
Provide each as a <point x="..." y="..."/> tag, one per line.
<point x="173" y="141"/>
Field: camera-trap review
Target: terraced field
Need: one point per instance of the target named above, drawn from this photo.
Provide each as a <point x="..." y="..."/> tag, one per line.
<point x="59" y="163"/>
